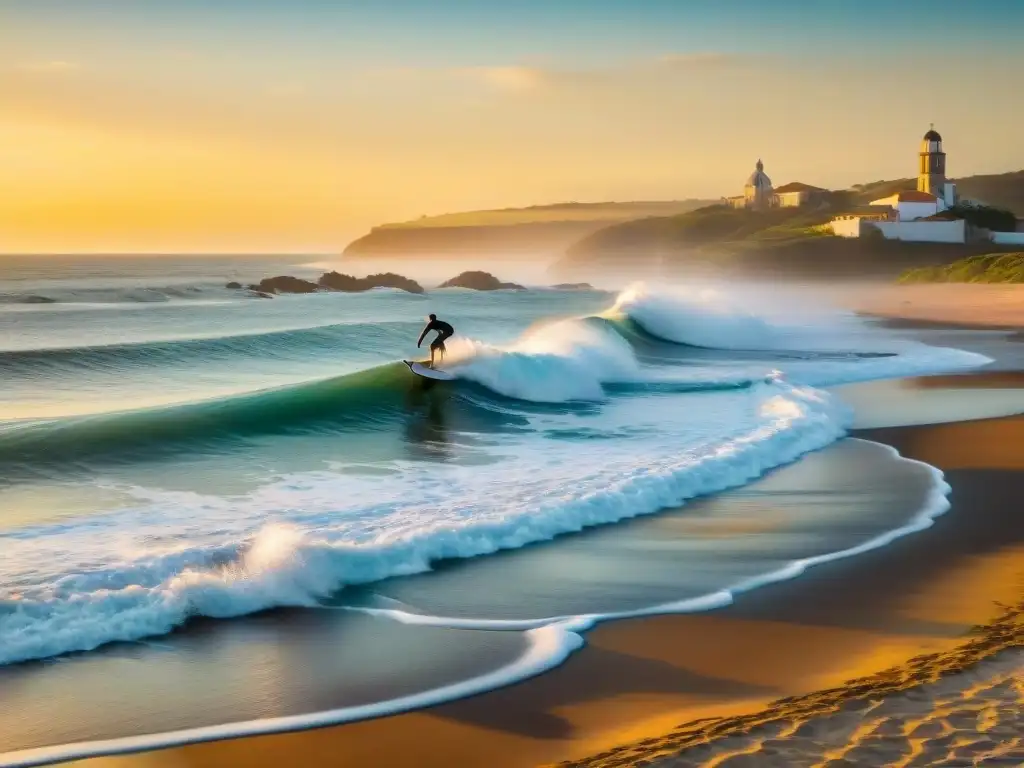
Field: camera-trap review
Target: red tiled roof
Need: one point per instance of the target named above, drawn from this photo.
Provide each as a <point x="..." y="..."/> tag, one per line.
<point x="797" y="186"/>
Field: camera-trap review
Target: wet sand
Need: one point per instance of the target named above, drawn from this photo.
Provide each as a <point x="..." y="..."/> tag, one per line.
<point x="644" y="680"/>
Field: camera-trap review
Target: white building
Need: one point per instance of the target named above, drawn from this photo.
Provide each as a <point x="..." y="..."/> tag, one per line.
<point x="913" y="212"/>
<point x="757" y="192"/>
<point x="911" y="204"/>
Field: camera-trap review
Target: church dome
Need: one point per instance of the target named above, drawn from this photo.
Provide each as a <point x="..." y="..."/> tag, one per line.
<point x="759" y="179"/>
<point x="932" y="135"/>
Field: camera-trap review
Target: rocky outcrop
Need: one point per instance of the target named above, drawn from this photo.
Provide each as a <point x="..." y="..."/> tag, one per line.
<point x="480" y="281"/>
<point x="330" y="281"/>
<point x="573" y="287"/>
<point x="284" y="284"/>
<point x="234" y="286"/>
<point x="335" y="281"/>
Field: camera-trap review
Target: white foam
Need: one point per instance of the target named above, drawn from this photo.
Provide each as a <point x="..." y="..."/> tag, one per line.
<point x="731" y="318"/>
<point x="556" y="362"/>
<point x="549" y="642"/>
<point x="824" y="346"/>
<point x="78" y="587"/>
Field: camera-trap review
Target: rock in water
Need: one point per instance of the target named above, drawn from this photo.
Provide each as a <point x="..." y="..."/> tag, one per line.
<point x="336" y="281"/>
<point x="285" y="284"/>
<point x="480" y="281"/>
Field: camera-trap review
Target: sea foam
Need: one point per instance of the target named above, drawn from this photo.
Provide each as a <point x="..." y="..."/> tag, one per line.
<point x="115" y="581"/>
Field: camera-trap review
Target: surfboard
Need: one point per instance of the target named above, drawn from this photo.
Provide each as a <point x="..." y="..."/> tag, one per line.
<point x="428" y="373"/>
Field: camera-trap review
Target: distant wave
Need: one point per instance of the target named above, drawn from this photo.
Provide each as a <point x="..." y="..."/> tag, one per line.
<point x="284" y="343"/>
<point x="108" y="295"/>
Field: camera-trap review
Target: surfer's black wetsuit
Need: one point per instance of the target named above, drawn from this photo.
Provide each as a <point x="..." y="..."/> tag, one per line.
<point x="444" y="331"/>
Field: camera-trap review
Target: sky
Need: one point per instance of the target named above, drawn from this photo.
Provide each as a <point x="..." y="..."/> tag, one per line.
<point x="296" y="125"/>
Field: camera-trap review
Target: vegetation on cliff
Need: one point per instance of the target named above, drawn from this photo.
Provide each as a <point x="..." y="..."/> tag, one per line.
<point x="983" y="268"/>
<point x="984" y="216"/>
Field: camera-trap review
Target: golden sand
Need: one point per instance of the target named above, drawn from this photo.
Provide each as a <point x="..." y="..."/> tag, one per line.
<point x="969" y="304"/>
<point x="939" y="715"/>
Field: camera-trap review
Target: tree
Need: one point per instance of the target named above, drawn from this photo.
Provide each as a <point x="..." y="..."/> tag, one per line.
<point x="987" y="217"/>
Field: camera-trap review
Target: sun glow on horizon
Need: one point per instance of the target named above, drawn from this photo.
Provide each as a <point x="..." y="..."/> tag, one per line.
<point x="136" y="136"/>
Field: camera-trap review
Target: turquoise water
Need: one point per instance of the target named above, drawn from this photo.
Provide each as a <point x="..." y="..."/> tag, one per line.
<point x="179" y="460"/>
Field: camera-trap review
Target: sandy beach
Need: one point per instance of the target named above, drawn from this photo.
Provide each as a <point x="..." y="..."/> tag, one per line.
<point x="961" y="304"/>
<point x="907" y="608"/>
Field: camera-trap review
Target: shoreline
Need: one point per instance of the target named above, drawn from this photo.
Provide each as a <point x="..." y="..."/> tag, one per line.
<point x="608" y="694"/>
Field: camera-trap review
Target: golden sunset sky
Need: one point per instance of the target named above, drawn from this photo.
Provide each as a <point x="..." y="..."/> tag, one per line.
<point x="272" y="126"/>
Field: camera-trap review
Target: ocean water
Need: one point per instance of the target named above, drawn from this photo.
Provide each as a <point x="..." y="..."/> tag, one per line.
<point x="187" y="470"/>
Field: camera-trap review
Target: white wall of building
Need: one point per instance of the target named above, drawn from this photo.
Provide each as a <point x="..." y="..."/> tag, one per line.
<point x="924" y="231"/>
<point x="949" y="196"/>
<point x="1008" y="238"/>
<point x="847" y="227"/>
<point x="908" y="210"/>
<point x="911" y="211"/>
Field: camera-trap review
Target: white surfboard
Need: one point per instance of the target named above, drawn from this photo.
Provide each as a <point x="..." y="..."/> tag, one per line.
<point x="428" y="373"/>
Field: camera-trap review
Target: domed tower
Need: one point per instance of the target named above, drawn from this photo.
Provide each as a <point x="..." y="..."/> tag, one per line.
<point x="931" y="173"/>
<point x="758" y="189"/>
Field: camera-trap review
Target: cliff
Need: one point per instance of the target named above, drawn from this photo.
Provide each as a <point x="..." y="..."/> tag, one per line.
<point x="538" y="231"/>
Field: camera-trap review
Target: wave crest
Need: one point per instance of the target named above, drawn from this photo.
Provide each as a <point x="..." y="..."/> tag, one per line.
<point x="553" y="363"/>
<point x="701" y="317"/>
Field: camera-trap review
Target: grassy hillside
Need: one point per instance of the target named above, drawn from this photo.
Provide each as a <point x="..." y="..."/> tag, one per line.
<point x="1000" y="190"/>
<point x="983" y="268"/>
<point x="541" y="231"/>
<point x="780" y="240"/>
<point x="711" y="225"/>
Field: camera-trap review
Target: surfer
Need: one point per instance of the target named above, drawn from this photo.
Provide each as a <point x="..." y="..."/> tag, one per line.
<point x="444" y="331"/>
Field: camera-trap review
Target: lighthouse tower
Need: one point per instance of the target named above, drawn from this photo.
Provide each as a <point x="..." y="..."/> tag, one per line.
<point x="931" y="173"/>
